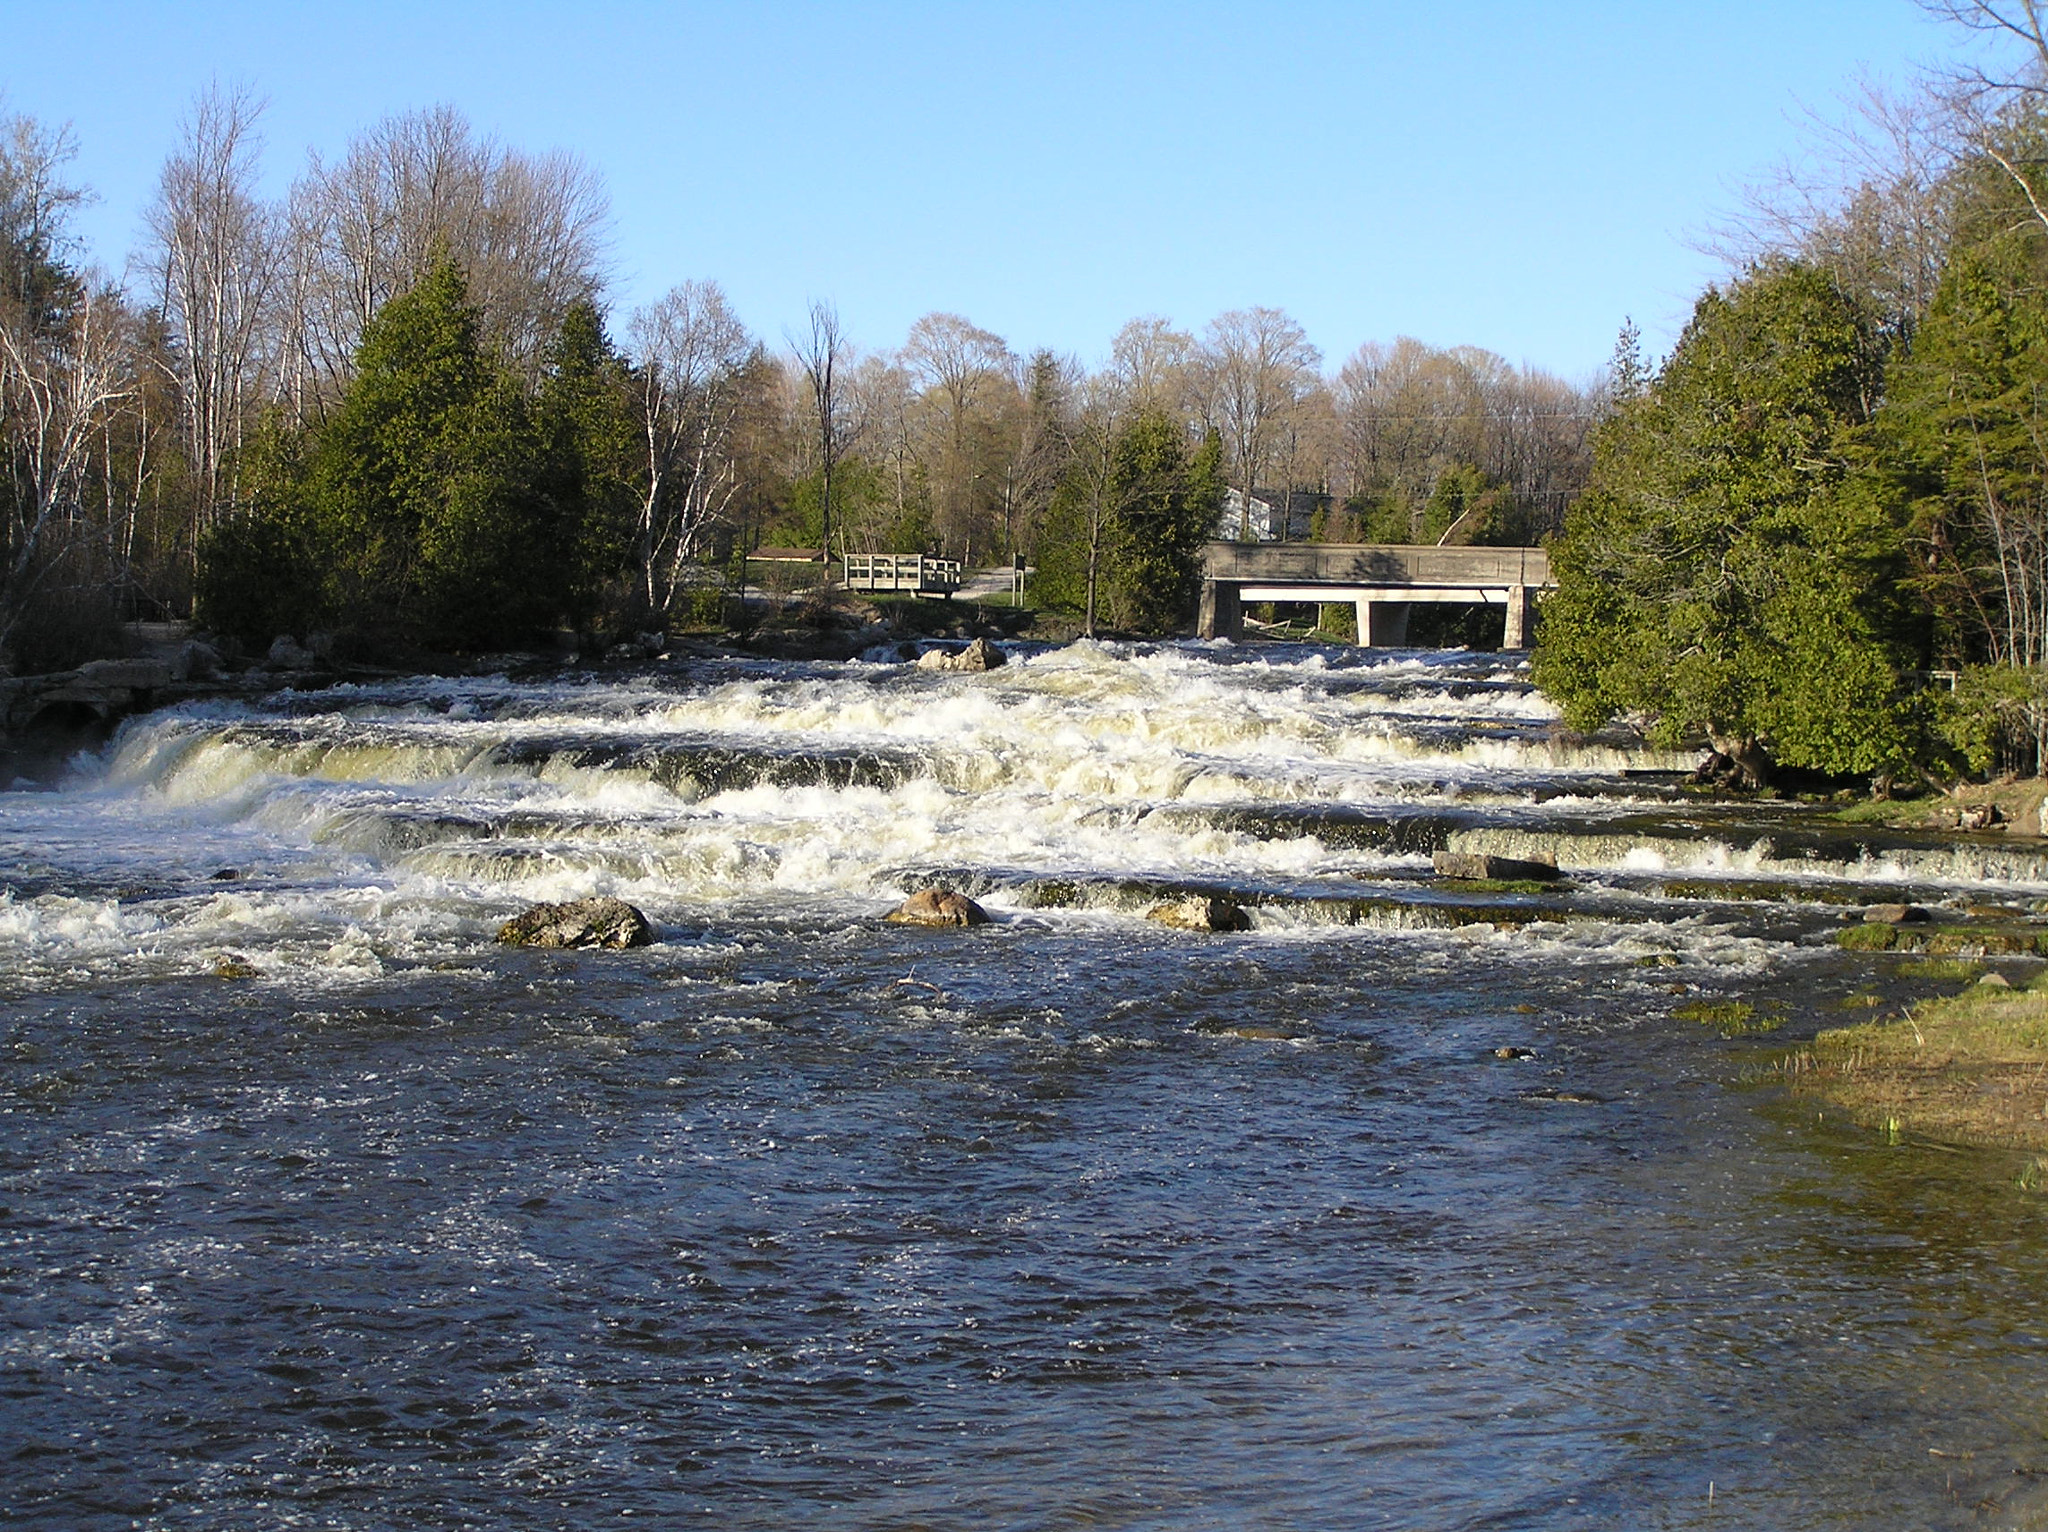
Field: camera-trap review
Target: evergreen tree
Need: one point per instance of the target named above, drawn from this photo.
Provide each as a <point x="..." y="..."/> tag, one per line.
<point x="1728" y="573"/>
<point x="1165" y="506"/>
<point x="1967" y="418"/>
<point x="428" y="507"/>
<point x="595" y="461"/>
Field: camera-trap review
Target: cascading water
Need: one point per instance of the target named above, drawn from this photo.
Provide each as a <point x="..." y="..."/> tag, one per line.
<point x="1416" y="1205"/>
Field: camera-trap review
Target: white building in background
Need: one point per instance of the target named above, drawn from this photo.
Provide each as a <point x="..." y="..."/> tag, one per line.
<point x="1265" y="523"/>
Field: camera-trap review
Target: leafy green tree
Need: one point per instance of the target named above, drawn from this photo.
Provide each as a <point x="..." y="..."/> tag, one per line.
<point x="1126" y="525"/>
<point x="1729" y="573"/>
<point x="1465" y="508"/>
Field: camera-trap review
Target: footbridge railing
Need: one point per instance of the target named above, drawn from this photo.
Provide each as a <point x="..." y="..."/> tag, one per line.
<point x="913" y="572"/>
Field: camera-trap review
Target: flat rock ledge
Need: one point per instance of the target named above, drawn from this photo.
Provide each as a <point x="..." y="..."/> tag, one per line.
<point x="603" y="922"/>
<point x="1476" y="866"/>
<point x="938" y="907"/>
<point x="1199" y="913"/>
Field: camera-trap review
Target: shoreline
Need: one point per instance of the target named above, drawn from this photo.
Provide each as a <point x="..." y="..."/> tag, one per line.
<point x="1969" y="1070"/>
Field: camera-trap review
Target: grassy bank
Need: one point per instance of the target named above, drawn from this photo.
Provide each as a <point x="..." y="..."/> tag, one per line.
<point x="2018" y="805"/>
<point x="1971" y="1069"/>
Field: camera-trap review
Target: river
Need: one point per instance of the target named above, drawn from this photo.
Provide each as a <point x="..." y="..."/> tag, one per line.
<point x="1411" y="1207"/>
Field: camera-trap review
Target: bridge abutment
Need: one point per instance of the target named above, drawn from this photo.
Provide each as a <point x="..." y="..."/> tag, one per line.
<point x="1382" y="624"/>
<point x="1222" y="613"/>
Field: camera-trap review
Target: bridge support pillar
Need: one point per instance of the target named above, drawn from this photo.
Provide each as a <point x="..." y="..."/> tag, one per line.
<point x="1521" y="617"/>
<point x="1383" y="624"/>
<point x="1222" y="614"/>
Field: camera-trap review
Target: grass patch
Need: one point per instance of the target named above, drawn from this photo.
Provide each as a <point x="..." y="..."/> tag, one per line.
<point x="1971" y="1069"/>
<point x="1747" y="891"/>
<point x="1945" y="940"/>
<point x="1889" y="812"/>
<point x="1859" y="1002"/>
<point x="1499" y="885"/>
<point x="1732" y="1018"/>
<point x="1940" y="968"/>
<point x="1976" y="941"/>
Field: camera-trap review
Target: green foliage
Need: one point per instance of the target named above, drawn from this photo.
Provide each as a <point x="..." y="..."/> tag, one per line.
<point x="1165" y="503"/>
<point x="1388" y="517"/>
<point x="424" y="488"/>
<point x="1993" y="720"/>
<point x="1873" y="936"/>
<point x="594" y="457"/>
<point x="1464" y="508"/>
<point x="1060" y="570"/>
<point x="437" y="503"/>
<point x="259" y="569"/>
<point x="1730" y="573"/>
<point x="1141" y="507"/>
<point x="1337" y="622"/>
<point x="1732" y="1018"/>
<point x="1966" y="422"/>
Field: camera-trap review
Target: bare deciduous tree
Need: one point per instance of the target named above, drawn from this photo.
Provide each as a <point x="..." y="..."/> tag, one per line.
<point x="528" y="231"/>
<point x="1257" y="365"/>
<point x="823" y="355"/>
<point x="213" y="264"/>
<point x="962" y="370"/>
<point x="691" y="355"/>
<point x="62" y="366"/>
<point x="1151" y="360"/>
<point x="1871" y="199"/>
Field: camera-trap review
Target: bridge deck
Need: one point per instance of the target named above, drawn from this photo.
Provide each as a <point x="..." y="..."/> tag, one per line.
<point x="1382" y="579"/>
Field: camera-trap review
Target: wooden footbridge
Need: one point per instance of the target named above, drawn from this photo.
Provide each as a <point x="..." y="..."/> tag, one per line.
<point x="911" y="573"/>
<point x="1382" y="580"/>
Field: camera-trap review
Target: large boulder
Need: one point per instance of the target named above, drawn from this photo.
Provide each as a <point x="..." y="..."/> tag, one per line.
<point x="938" y="907"/>
<point x="1896" y="914"/>
<point x="286" y="653"/>
<point x="1978" y="816"/>
<point x="601" y="922"/>
<point x="195" y="660"/>
<point x="1198" y="912"/>
<point x="979" y="655"/>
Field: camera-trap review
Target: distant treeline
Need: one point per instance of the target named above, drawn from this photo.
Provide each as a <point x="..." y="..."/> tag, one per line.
<point x="251" y="427"/>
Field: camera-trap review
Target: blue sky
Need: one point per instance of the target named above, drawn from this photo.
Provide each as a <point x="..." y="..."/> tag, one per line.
<point x="1514" y="176"/>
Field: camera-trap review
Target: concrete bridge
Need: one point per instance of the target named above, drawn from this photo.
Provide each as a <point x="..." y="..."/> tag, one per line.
<point x="1383" y="580"/>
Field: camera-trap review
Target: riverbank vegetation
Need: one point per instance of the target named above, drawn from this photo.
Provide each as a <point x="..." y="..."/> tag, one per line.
<point x="1966" y="1069"/>
<point x="1818" y="532"/>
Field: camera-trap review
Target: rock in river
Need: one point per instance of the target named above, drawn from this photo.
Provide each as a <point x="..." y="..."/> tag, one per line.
<point x="979" y="655"/>
<point x="603" y="922"/>
<point x="1199" y="913"/>
<point x="1478" y="867"/>
<point x="939" y="907"/>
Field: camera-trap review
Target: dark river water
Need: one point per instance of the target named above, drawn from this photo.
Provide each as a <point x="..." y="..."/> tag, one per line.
<point x="801" y="1219"/>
